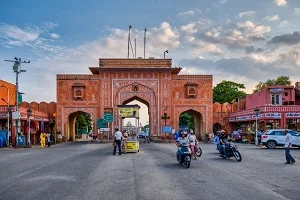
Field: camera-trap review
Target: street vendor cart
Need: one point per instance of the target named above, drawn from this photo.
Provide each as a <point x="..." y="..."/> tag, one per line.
<point x="130" y="111"/>
<point x="132" y="144"/>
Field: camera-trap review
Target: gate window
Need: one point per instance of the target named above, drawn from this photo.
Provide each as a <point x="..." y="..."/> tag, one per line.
<point x="78" y="91"/>
<point x="191" y="90"/>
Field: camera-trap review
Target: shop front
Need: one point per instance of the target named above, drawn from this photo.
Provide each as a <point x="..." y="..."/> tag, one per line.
<point x="268" y="117"/>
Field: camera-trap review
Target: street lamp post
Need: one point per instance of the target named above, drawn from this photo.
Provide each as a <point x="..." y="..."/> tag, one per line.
<point x="17" y="69"/>
<point x="256" y="113"/>
<point x="8" y="113"/>
<point x="166" y="51"/>
<point x="29" y="114"/>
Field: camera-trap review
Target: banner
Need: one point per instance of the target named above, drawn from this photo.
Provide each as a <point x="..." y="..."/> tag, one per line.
<point x="292" y="115"/>
<point x="273" y="115"/>
<point x="243" y="118"/>
<point x="129" y="112"/>
<point x="166" y="129"/>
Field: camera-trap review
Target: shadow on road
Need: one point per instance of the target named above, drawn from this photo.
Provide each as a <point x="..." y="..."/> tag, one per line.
<point x="174" y="165"/>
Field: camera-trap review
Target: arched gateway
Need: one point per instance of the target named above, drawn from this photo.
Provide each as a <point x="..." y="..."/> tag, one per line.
<point x="152" y="81"/>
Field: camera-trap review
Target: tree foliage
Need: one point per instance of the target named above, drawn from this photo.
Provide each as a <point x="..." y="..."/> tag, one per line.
<point x="84" y="122"/>
<point x="186" y="119"/>
<point x="227" y="91"/>
<point x="281" y="80"/>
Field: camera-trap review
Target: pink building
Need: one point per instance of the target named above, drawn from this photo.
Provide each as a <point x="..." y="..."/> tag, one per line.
<point x="279" y="107"/>
<point x="273" y="95"/>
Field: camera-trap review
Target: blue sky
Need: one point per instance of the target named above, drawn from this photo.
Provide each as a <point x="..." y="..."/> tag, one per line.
<point x="239" y="40"/>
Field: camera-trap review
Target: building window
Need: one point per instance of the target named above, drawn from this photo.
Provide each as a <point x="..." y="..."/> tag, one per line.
<point x="78" y="93"/>
<point x="275" y="99"/>
<point x="192" y="91"/>
<point x="286" y="93"/>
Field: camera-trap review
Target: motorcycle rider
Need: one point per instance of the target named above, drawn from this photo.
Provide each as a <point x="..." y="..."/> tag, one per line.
<point x="193" y="141"/>
<point x="223" y="141"/>
<point x="217" y="141"/>
<point x="180" y="141"/>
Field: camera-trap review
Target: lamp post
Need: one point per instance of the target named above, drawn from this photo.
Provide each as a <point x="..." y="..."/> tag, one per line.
<point x="8" y="113"/>
<point x="256" y="113"/>
<point x="29" y="114"/>
<point x="165" y="117"/>
<point x="166" y="51"/>
<point x="17" y="69"/>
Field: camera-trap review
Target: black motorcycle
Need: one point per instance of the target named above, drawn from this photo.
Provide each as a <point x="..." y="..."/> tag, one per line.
<point x="231" y="151"/>
<point x="184" y="155"/>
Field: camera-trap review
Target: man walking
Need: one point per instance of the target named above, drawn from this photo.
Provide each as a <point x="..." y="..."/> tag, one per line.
<point x="117" y="140"/>
<point x="287" y="146"/>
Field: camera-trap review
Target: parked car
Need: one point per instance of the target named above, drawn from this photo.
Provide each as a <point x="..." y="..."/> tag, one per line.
<point x="276" y="137"/>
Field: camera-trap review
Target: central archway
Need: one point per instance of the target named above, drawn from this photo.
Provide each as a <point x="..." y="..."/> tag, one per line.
<point x="144" y="114"/>
<point x="140" y="92"/>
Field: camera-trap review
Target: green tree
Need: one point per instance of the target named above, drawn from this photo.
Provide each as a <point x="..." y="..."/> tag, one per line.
<point x="227" y="91"/>
<point x="281" y="80"/>
<point x="83" y="123"/>
<point x="186" y="119"/>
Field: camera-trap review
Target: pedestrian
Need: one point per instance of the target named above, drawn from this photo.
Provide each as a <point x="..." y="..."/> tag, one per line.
<point x="42" y="139"/>
<point x="146" y="136"/>
<point x="48" y="139"/>
<point x="288" y="143"/>
<point x="124" y="141"/>
<point x="117" y="141"/>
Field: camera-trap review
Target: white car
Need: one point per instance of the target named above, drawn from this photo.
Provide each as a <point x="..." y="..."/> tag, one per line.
<point x="276" y="137"/>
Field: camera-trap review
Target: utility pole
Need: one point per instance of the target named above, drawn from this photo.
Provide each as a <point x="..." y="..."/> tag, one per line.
<point x="17" y="69"/>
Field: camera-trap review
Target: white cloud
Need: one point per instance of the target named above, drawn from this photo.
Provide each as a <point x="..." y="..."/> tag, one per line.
<point x="253" y="30"/>
<point x="223" y="1"/>
<point x="297" y="10"/>
<point x="188" y="12"/>
<point x="247" y="13"/>
<point x="280" y="3"/>
<point x="204" y="47"/>
<point x="190" y="28"/>
<point x="54" y="36"/>
<point x="17" y="34"/>
<point x="284" y="23"/>
<point x="272" y="18"/>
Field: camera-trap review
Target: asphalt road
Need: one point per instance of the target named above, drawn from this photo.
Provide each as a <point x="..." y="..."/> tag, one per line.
<point x="90" y="171"/>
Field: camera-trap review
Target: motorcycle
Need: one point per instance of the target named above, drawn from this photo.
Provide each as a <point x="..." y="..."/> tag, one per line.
<point x="231" y="151"/>
<point x="198" y="150"/>
<point x="184" y="155"/>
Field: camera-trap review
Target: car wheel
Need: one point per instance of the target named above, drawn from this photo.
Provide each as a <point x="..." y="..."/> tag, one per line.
<point x="271" y="144"/>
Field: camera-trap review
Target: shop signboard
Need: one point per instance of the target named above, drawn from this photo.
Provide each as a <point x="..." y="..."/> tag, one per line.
<point x="3" y="115"/>
<point x="258" y="116"/>
<point x="292" y="115"/>
<point x="129" y="112"/>
<point x="231" y="119"/>
<point x="273" y="115"/>
<point x="243" y="118"/>
<point x="276" y="90"/>
<point x="166" y="129"/>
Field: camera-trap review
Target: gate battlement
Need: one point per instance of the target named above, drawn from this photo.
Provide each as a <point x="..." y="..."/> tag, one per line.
<point x="135" y="62"/>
